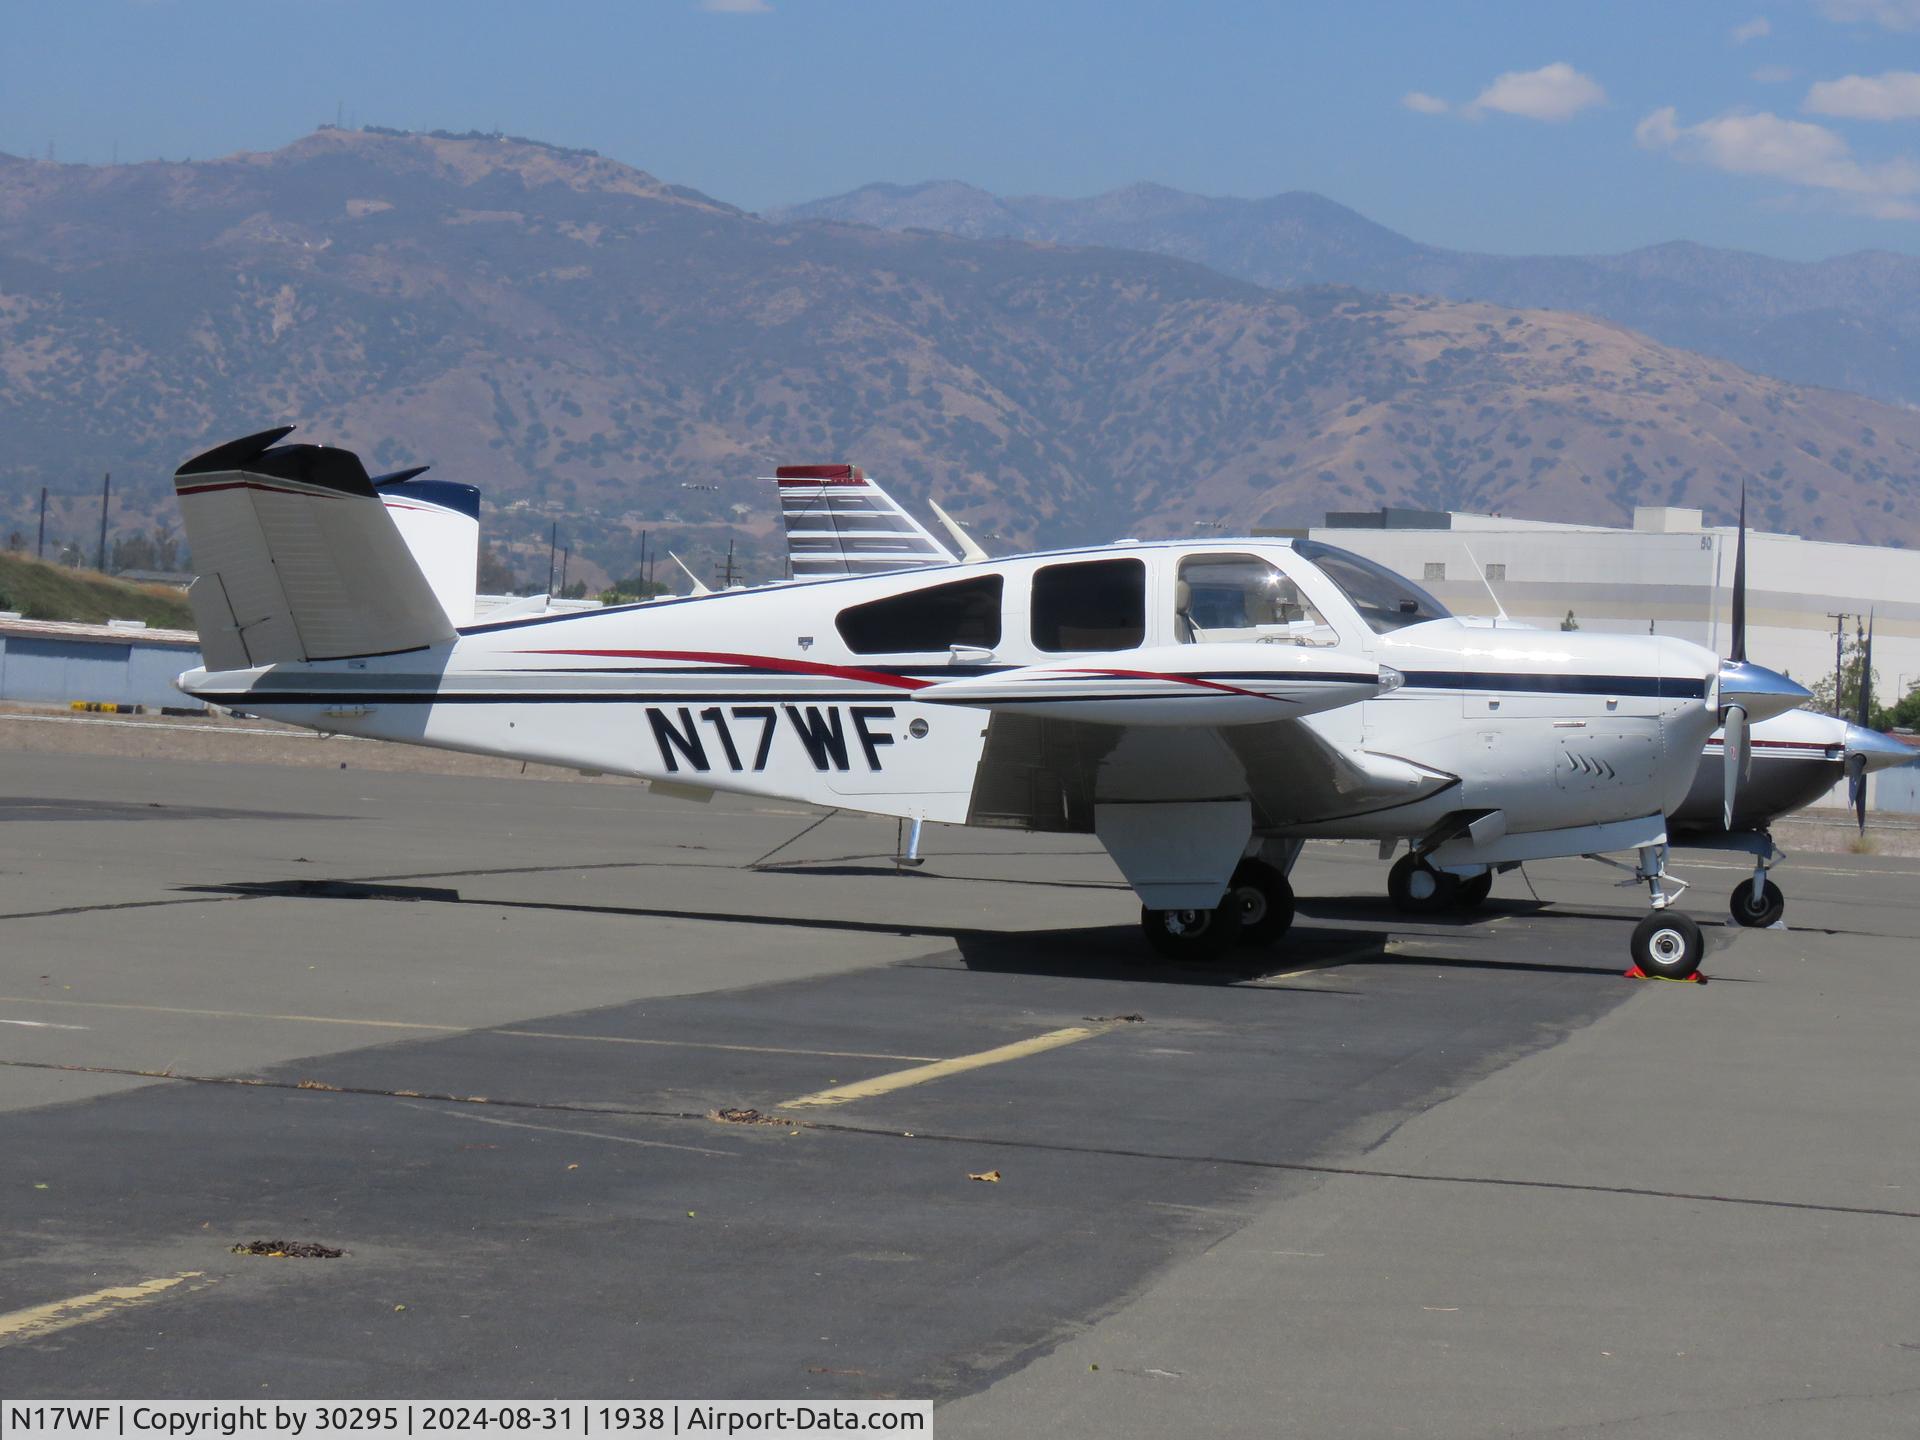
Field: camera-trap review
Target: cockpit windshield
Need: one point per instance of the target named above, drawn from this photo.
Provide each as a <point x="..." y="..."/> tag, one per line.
<point x="1386" y="601"/>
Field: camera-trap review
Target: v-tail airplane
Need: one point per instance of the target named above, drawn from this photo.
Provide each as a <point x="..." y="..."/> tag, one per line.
<point x="1200" y="708"/>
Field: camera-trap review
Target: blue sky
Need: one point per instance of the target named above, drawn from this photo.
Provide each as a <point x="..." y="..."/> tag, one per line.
<point x="1789" y="128"/>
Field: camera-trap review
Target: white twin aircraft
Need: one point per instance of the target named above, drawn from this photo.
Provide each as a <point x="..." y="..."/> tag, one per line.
<point x="1202" y="708"/>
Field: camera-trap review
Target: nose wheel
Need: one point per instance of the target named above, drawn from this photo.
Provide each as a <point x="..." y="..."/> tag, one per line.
<point x="1668" y="945"/>
<point x="1757" y="914"/>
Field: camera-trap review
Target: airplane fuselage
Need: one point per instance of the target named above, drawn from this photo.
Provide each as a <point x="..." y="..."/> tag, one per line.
<point x="820" y="692"/>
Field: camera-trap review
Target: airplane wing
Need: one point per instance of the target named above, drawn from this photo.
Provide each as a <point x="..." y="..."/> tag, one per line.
<point x="1041" y="773"/>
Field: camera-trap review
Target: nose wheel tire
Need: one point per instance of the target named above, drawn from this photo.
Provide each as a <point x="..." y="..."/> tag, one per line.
<point x="1192" y="936"/>
<point x="1757" y="917"/>
<point x="1668" y="945"/>
<point x="1265" y="899"/>
<point x="1416" y="888"/>
<point x="1472" y="893"/>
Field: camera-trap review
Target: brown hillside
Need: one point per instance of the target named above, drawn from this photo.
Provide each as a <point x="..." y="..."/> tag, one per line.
<point x="590" y="344"/>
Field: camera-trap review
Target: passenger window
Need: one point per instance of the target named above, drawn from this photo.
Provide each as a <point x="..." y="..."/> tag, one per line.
<point x="966" y="612"/>
<point x="1242" y="597"/>
<point x="1098" y="605"/>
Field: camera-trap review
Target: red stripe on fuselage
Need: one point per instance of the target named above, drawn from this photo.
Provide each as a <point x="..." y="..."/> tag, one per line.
<point x="1187" y="680"/>
<point x="756" y="662"/>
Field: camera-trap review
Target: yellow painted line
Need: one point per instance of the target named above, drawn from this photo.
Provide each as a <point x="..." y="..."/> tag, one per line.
<point x="940" y="1069"/>
<point x="456" y="1029"/>
<point x="38" y="1320"/>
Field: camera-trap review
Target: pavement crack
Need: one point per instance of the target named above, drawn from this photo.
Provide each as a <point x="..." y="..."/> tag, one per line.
<point x="1243" y="1162"/>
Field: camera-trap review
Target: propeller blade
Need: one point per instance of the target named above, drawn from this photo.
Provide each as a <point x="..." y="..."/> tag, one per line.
<point x="1866" y="678"/>
<point x="1734" y="762"/>
<point x="1857" y="788"/>
<point x="1739" y="651"/>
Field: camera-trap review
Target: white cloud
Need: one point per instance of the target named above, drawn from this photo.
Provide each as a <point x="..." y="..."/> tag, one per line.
<point x="1889" y="14"/>
<point x="1426" y="104"/>
<point x="1892" y="96"/>
<point x="736" y="7"/>
<point x="1796" y="151"/>
<point x="1553" y="92"/>
<point x="1757" y="28"/>
<point x="1774" y="74"/>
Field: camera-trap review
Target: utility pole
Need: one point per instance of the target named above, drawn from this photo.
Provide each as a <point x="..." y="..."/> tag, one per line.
<point x="726" y="580"/>
<point x="40" y="546"/>
<point x="566" y="554"/>
<point x="1839" y="618"/>
<point x="553" y="545"/>
<point x="106" y="503"/>
<point x="641" y="573"/>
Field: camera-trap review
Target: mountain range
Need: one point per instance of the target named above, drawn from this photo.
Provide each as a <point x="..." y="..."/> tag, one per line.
<point x="1850" y="323"/>
<point x="608" y="354"/>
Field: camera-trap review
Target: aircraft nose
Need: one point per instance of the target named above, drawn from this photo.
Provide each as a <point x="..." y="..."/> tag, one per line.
<point x="1881" y="752"/>
<point x="1761" y="692"/>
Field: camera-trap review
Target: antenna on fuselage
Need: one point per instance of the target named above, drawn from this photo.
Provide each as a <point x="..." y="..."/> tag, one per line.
<point x="1484" y="581"/>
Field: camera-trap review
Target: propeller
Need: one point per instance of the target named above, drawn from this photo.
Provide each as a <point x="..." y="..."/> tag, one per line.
<point x="1856" y="759"/>
<point x="1734" y="760"/>
<point x="1748" y="693"/>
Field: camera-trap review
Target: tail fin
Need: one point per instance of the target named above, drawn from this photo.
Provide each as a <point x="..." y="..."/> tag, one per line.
<point x="298" y="557"/>
<point x="440" y="523"/>
<point x="839" y="522"/>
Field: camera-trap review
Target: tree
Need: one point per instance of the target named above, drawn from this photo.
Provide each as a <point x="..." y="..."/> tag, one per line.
<point x="495" y="575"/>
<point x="1879" y="717"/>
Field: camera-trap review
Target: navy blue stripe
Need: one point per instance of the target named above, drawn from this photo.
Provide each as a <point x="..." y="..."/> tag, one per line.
<point x="1666" y="687"/>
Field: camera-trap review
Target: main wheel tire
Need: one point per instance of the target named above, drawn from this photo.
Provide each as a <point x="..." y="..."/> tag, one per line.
<point x="1192" y="936"/>
<point x="1668" y="945"/>
<point x="1472" y="893"/>
<point x="1416" y="888"/>
<point x="1265" y="899"/>
<point x="1772" y="905"/>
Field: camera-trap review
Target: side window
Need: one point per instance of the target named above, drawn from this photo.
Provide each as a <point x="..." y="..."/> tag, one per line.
<point x="1096" y="605"/>
<point x="966" y="612"/>
<point x="1242" y="597"/>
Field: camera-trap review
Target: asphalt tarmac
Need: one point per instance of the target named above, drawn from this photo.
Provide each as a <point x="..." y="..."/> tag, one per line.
<point x="1451" y="1178"/>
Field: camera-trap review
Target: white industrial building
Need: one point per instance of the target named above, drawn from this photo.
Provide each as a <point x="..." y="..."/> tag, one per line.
<point x="1670" y="571"/>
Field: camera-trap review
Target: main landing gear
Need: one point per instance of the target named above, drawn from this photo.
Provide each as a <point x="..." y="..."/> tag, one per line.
<point x="1256" y="910"/>
<point x="1417" y="888"/>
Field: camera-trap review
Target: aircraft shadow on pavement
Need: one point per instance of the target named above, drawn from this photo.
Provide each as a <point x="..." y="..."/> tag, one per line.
<point x="1109" y="952"/>
<point x="1117" y="952"/>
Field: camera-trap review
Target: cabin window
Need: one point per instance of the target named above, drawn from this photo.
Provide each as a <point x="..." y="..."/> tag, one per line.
<point x="1219" y="598"/>
<point x="1096" y="605"/>
<point x="966" y="612"/>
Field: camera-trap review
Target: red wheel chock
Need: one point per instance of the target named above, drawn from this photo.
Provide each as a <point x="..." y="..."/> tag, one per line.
<point x="1636" y="973"/>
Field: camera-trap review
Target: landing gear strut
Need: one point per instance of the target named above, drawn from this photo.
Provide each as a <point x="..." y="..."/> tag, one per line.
<point x="1667" y="944"/>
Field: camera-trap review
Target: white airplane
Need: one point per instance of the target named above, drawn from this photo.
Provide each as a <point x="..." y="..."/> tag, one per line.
<point x="1201" y="708"/>
<point x="1793" y="759"/>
